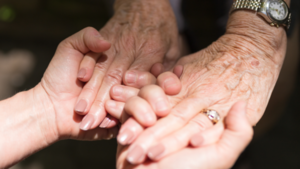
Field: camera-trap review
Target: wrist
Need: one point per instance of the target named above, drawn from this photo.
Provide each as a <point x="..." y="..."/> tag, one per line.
<point x="257" y="35"/>
<point x="152" y="12"/>
<point x="26" y="125"/>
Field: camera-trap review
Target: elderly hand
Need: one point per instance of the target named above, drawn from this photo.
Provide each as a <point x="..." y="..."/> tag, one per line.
<point x="221" y="154"/>
<point x="142" y="33"/>
<point x="242" y="65"/>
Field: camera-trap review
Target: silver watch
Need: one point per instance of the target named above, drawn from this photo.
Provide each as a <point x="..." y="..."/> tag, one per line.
<point x="275" y="12"/>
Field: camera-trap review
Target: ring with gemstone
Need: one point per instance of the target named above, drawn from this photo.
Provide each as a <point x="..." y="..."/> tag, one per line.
<point x="212" y="115"/>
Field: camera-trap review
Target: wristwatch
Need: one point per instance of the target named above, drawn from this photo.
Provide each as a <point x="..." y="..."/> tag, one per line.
<point x="275" y="12"/>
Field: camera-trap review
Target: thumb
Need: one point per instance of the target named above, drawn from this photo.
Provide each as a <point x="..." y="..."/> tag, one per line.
<point x="238" y="132"/>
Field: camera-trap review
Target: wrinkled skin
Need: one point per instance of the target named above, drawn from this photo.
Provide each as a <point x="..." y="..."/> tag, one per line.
<point x="239" y="66"/>
<point x="138" y="41"/>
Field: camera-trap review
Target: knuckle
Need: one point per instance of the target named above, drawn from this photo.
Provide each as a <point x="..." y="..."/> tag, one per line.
<point x="98" y="103"/>
<point x="200" y="123"/>
<point x="179" y="117"/>
<point x="100" y="66"/>
<point x="89" y="89"/>
<point x="114" y="76"/>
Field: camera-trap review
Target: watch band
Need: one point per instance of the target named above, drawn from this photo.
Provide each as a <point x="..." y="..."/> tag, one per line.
<point x="247" y="4"/>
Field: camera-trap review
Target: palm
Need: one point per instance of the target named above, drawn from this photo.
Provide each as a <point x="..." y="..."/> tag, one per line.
<point x="63" y="89"/>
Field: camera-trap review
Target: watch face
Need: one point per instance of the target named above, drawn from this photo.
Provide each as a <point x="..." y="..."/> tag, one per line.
<point x="278" y="10"/>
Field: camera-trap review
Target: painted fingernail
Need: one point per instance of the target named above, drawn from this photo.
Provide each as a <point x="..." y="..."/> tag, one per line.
<point x="135" y="155"/>
<point x="81" y="106"/>
<point x="117" y="90"/>
<point x="131" y="77"/>
<point x="197" y="140"/>
<point x="161" y="105"/>
<point x="105" y="122"/>
<point x="156" y="151"/>
<point x="125" y="137"/>
<point x="87" y="122"/>
<point x="81" y="73"/>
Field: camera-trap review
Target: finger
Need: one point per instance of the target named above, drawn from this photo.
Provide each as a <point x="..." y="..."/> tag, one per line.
<point x="78" y="45"/>
<point x="177" y="118"/>
<point x="110" y="121"/>
<point x="138" y="79"/>
<point x="207" y="137"/>
<point x="179" y="139"/>
<point x="122" y="93"/>
<point x="129" y="131"/>
<point x="170" y="83"/>
<point x="88" y="39"/>
<point x="112" y="77"/>
<point x="157" y="69"/>
<point x="178" y="70"/>
<point x="238" y="131"/>
<point x="115" y="108"/>
<point x="96" y="134"/>
<point x="157" y="99"/>
<point x="141" y="111"/>
<point x="89" y="92"/>
<point x="87" y="66"/>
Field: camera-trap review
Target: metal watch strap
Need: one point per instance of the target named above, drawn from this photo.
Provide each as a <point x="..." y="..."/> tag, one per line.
<point x="247" y="4"/>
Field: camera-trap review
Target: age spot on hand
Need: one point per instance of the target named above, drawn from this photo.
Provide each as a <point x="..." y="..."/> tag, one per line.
<point x="255" y="63"/>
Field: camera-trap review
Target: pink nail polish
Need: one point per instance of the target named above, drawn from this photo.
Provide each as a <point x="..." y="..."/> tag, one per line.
<point x="81" y="73"/>
<point x="125" y="137"/>
<point x="117" y="90"/>
<point x="87" y="122"/>
<point x="135" y="155"/>
<point x="105" y="122"/>
<point x="131" y="77"/>
<point x="197" y="140"/>
<point x="81" y="106"/>
<point x="156" y="152"/>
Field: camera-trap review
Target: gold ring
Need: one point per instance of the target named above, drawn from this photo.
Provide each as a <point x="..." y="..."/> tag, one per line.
<point x="212" y="115"/>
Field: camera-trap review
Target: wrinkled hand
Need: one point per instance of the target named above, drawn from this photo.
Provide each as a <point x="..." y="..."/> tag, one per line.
<point x="221" y="154"/>
<point x="235" y="67"/>
<point x="141" y="33"/>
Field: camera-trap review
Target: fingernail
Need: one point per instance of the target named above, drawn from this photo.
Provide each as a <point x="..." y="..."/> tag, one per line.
<point x="197" y="140"/>
<point x="131" y="77"/>
<point x="81" y="73"/>
<point x="87" y="122"/>
<point x="156" y="151"/>
<point x="81" y="106"/>
<point x="117" y="90"/>
<point x="134" y="155"/>
<point x="161" y="105"/>
<point x="105" y="122"/>
<point x="169" y="82"/>
<point x="125" y="137"/>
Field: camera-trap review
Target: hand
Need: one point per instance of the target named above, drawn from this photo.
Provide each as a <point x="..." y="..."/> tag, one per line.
<point x="221" y="154"/>
<point x="142" y="33"/>
<point x="145" y="115"/>
<point x="236" y="67"/>
<point x="44" y="114"/>
<point x="61" y="87"/>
